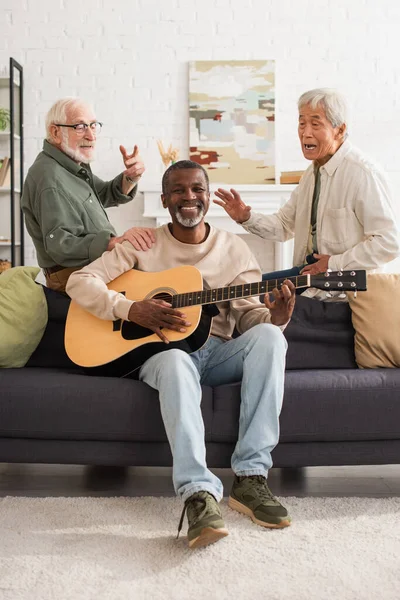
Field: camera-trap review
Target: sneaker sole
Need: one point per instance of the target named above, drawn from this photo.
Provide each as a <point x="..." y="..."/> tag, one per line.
<point x="208" y="535"/>
<point x="245" y="510"/>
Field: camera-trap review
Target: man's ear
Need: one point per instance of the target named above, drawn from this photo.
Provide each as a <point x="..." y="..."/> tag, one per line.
<point x="55" y="134"/>
<point x="342" y="130"/>
<point x="163" y="201"/>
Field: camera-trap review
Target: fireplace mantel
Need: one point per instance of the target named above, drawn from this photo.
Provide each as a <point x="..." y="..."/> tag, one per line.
<point x="266" y="199"/>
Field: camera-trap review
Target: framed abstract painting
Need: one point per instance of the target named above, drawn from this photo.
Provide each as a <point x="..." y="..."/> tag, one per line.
<point x="232" y="120"/>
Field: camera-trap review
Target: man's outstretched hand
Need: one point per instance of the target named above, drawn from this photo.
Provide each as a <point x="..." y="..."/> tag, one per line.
<point x="233" y="205"/>
<point x="156" y="314"/>
<point x="134" y="168"/>
<point x="281" y="308"/>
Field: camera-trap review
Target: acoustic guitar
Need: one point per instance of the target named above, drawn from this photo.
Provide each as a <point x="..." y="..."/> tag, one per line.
<point x="118" y="348"/>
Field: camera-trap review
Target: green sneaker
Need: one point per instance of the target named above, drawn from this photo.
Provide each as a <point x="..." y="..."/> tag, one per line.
<point x="205" y="520"/>
<point x="252" y="497"/>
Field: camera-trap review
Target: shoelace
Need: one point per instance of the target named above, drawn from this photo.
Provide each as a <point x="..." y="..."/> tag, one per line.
<point x="262" y="487"/>
<point x="199" y="510"/>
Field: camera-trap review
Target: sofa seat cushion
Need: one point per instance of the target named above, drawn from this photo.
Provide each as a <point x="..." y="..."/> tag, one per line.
<point x="324" y="405"/>
<point x="61" y="405"/>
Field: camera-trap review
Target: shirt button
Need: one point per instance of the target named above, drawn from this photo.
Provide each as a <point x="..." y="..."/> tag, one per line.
<point x="87" y="178"/>
<point x="90" y="201"/>
<point x="51" y="235"/>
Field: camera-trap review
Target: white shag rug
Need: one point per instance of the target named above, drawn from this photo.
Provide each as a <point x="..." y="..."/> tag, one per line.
<point x="125" y="548"/>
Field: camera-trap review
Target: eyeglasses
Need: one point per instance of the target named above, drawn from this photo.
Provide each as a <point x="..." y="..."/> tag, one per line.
<point x="81" y="128"/>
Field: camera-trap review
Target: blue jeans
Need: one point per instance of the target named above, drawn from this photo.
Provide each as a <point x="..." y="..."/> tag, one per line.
<point x="257" y="359"/>
<point x="288" y="273"/>
<point x="310" y="259"/>
<point x="282" y="274"/>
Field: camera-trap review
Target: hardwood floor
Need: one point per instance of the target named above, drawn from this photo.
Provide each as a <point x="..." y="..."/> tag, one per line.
<point x="71" y="480"/>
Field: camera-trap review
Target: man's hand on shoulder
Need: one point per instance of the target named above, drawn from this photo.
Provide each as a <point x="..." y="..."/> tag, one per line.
<point x="156" y="314"/>
<point x="134" y="168"/>
<point x="281" y="308"/>
<point x="141" y="238"/>
<point x="232" y="203"/>
<point x="321" y="266"/>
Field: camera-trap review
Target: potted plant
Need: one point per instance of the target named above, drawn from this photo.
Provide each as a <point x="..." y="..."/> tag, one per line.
<point x="4" y="118"/>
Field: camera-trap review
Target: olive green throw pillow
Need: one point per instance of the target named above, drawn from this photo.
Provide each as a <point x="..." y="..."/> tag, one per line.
<point x="23" y="315"/>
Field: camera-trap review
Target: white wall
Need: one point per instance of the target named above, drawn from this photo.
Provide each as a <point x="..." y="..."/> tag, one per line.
<point x="130" y="58"/>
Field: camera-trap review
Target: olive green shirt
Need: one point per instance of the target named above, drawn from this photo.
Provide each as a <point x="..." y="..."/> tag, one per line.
<point x="63" y="204"/>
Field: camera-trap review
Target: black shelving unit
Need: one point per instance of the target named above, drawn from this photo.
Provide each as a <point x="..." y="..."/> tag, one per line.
<point x="12" y="145"/>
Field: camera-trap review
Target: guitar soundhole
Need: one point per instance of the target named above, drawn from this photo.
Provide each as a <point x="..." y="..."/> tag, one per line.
<point x="133" y="331"/>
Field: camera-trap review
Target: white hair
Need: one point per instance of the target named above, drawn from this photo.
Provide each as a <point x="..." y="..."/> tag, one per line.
<point x="331" y="101"/>
<point x="58" y="113"/>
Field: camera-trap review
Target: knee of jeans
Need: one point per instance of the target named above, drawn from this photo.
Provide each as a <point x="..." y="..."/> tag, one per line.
<point x="174" y="359"/>
<point x="270" y="336"/>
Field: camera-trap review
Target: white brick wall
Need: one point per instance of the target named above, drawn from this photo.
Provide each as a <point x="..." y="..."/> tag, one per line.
<point x="130" y="58"/>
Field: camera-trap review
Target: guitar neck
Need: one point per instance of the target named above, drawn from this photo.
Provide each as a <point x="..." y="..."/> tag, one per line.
<point x="232" y="292"/>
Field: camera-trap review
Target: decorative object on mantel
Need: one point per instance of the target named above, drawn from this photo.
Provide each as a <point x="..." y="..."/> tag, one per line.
<point x="232" y="120"/>
<point x="4" y="118"/>
<point x="291" y="177"/>
<point x="169" y="156"/>
<point x="4" y="265"/>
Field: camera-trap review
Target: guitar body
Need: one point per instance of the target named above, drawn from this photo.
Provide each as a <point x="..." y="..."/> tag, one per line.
<point x="117" y="348"/>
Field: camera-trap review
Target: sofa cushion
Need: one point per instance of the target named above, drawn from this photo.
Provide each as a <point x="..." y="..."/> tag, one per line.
<point x="57" y="404"/>
<point x="376" y="320"/>
<point x="23" y="315"/>
<point x="323" y="406"/>
<point x="320" y="335"/>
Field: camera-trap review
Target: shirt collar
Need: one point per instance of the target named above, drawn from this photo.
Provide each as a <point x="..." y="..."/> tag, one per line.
<point x="334" y="162"/>
<point x="60" y="156"/>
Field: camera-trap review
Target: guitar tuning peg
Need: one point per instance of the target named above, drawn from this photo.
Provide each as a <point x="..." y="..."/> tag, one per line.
<point x="328" y="295"/>
<point x="342" y="295"/>
<point x="355" y="294"/>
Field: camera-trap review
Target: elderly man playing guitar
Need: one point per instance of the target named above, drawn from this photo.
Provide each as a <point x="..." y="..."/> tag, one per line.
<point x="257" y="356"/>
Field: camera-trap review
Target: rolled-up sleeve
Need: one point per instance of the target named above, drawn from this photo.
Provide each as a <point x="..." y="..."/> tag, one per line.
<point x="110" y="192"/>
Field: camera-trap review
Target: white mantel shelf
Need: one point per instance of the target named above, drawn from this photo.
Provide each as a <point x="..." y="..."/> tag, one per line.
<point x="265" y="199"/>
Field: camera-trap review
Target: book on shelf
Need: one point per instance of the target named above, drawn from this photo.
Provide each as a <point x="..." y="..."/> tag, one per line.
<point x="4" y="172"/>
<point x="291" y="176"/>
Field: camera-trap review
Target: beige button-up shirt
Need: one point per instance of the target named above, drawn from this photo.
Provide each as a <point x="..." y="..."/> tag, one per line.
<point x="356" y="224"/>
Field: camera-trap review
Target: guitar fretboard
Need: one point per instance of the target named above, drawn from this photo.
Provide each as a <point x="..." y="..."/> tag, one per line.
<point x="245" y="290"/>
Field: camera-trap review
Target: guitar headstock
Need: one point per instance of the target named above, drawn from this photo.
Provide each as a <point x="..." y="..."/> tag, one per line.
<point x="343" y="281"/>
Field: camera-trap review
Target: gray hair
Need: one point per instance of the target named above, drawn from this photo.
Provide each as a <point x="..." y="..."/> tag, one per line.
<point x="58" y="113"/>
<point x="331" y="101"/>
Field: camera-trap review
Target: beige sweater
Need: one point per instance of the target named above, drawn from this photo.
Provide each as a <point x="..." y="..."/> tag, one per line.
<point x="223" y="259"/>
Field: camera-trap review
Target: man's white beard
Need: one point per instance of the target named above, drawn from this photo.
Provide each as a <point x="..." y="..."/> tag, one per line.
<point x="189" y="222"/>
<point x="76" y="155"/>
